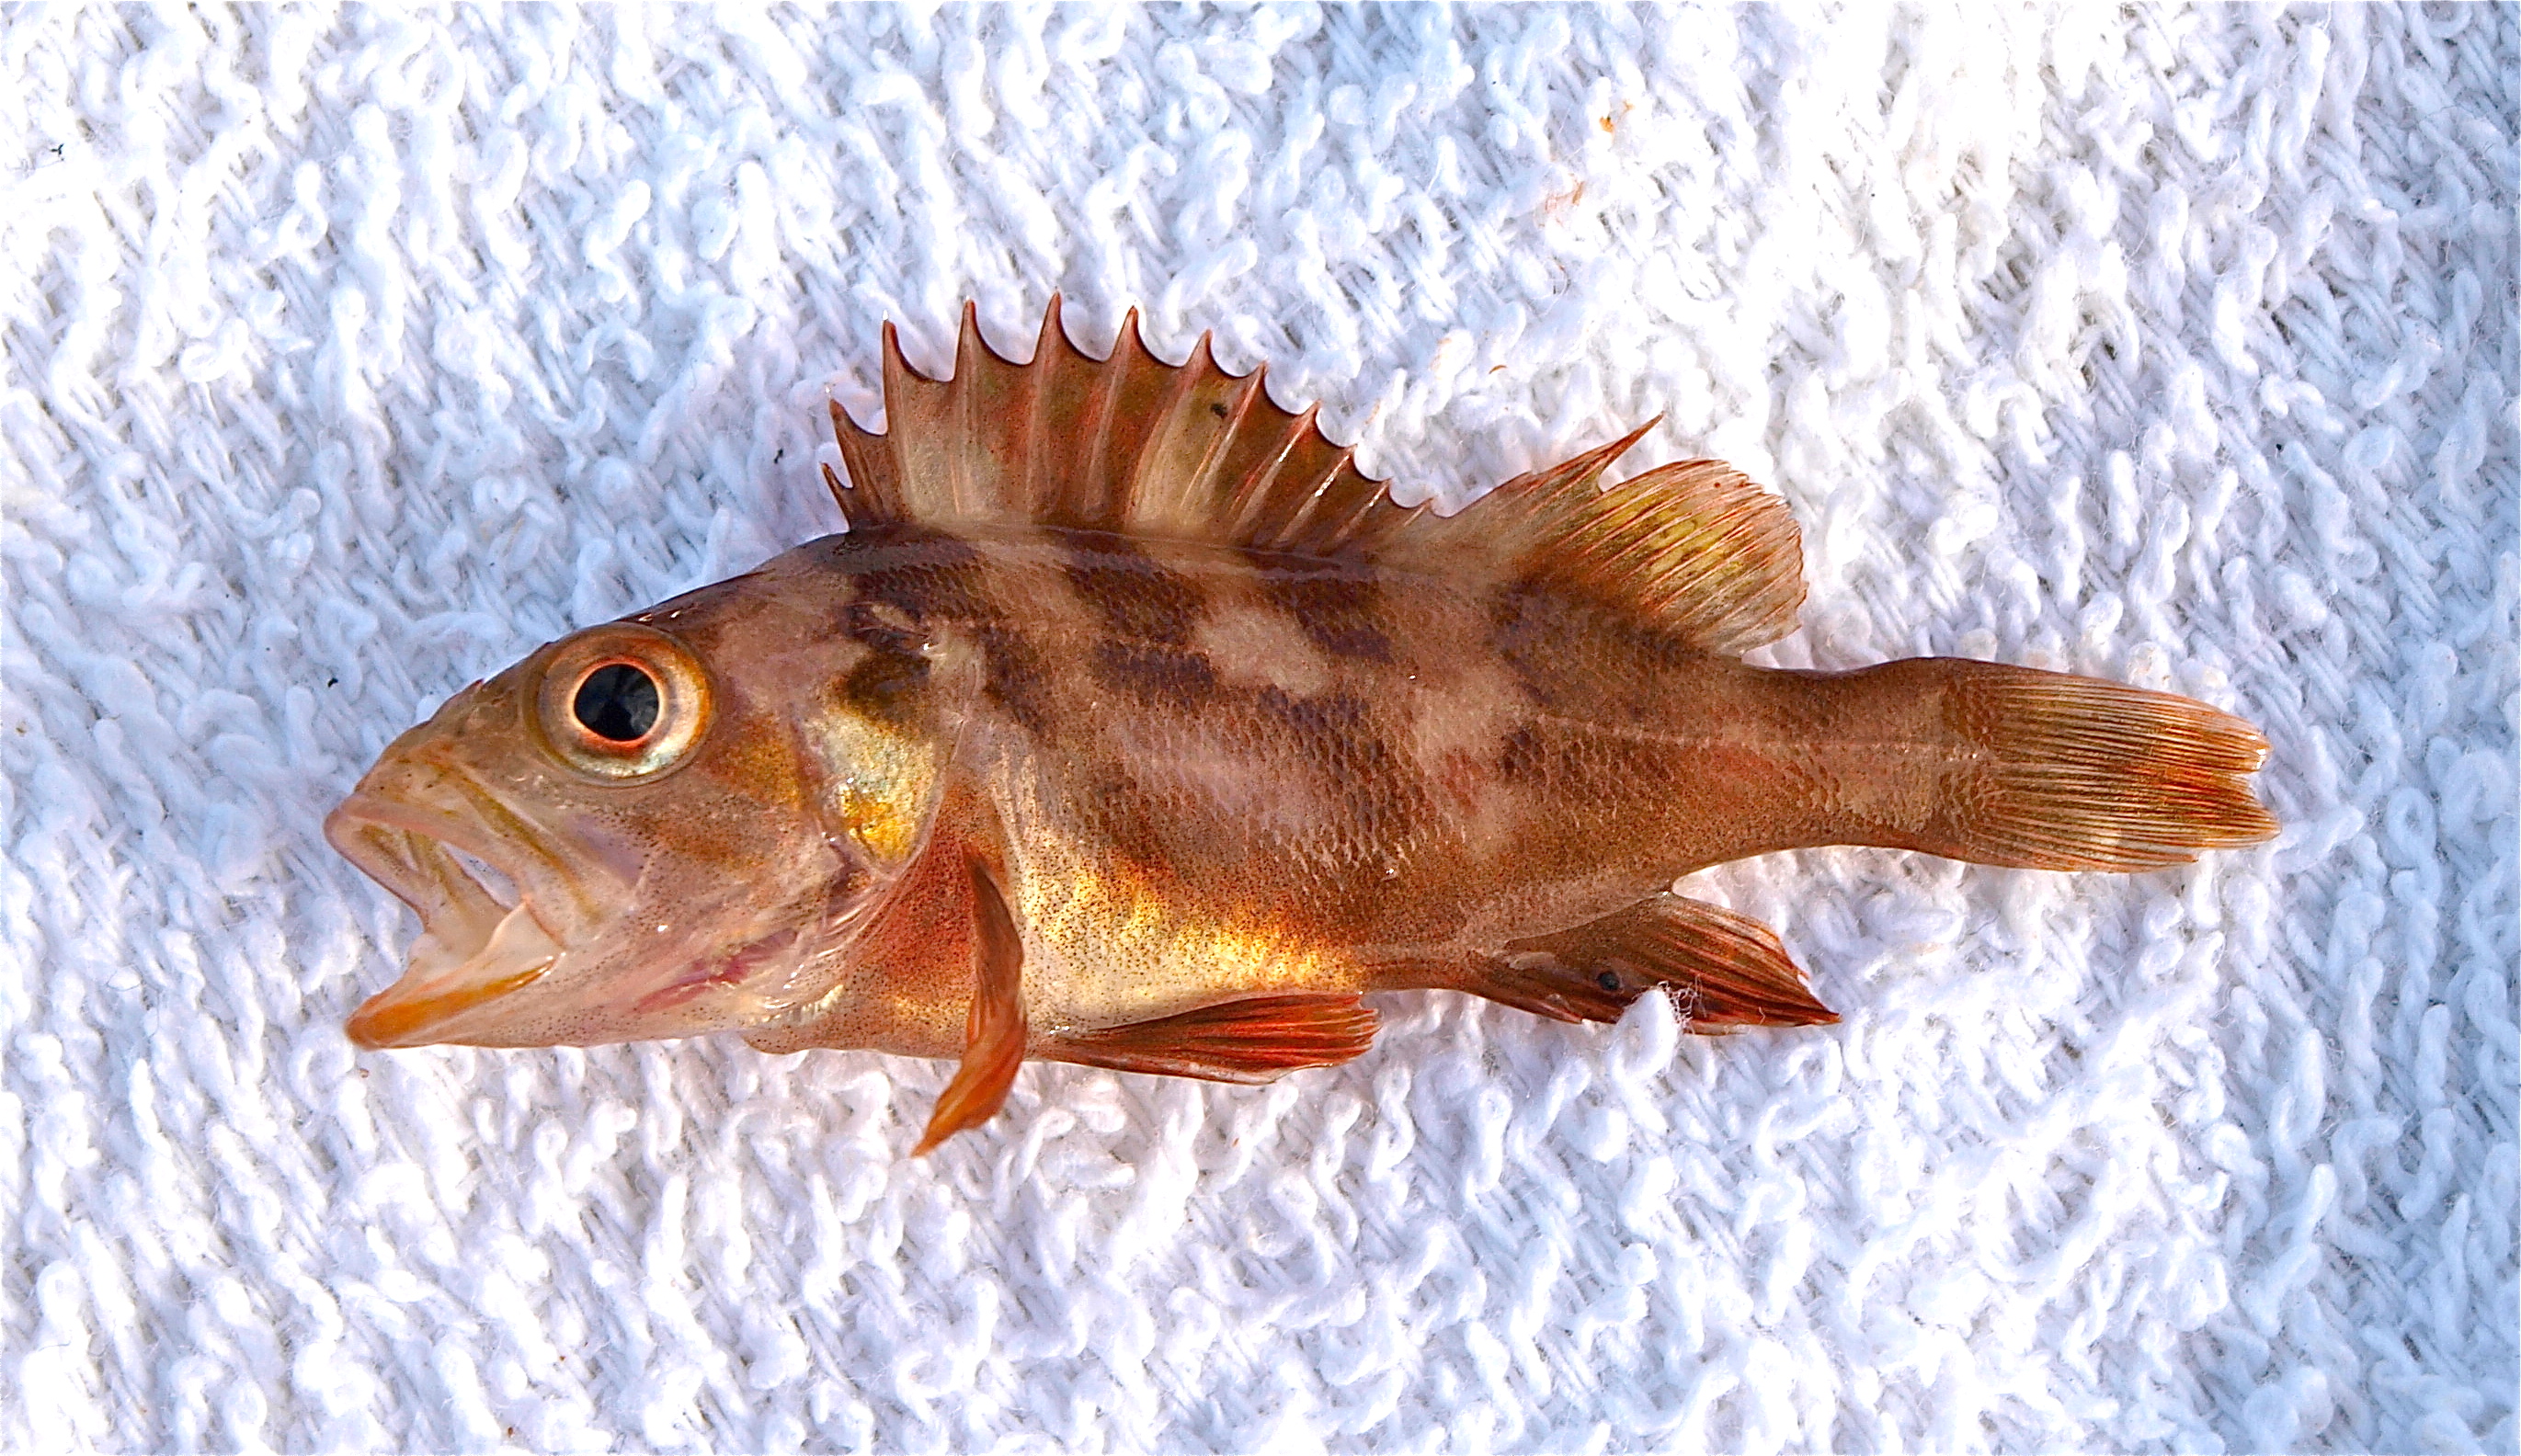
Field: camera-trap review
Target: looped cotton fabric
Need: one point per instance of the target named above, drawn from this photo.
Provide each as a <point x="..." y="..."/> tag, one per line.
<point x="351" y="355"/>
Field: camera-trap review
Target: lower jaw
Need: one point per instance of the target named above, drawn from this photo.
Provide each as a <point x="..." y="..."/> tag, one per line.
<point x="392" y="1018"/>
<point x="434" y="1003"/>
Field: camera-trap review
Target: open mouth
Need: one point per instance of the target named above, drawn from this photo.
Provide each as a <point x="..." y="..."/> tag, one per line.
<point x="480" y="937"/>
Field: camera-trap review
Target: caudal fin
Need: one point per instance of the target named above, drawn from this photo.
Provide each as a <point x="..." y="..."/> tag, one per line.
<point x="2058" y="772"/>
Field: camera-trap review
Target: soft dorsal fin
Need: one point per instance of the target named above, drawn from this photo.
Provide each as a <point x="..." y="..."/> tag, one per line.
<point x="1693" y="547"/>
<point x="1190" y="452"/>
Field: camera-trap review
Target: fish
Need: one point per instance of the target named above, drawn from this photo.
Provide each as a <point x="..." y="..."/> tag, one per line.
<point x="1129" y="725"/>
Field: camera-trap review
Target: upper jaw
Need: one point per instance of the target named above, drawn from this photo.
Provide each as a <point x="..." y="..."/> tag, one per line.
<point x="480" y="943"/>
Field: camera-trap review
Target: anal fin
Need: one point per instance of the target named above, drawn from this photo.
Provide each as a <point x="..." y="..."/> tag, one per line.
<point x="1723" y="971"/>
<point x="1253" y="1040"/>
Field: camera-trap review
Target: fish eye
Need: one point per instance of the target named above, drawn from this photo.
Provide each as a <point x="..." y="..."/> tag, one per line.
<point x="623" y="702"/>
<point x="617" y="703"/>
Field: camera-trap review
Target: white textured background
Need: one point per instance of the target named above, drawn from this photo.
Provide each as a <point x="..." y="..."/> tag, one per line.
<point x="351" y="356"/>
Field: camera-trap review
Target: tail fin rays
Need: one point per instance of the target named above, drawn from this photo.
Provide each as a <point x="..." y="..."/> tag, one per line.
<point x="2075" y="773"/>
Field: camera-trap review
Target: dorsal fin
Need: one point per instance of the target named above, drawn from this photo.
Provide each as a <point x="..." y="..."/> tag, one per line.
<point x="1129" y="443"/>
<point x="1190" y="452"/>
<point x="1693" y="547"/>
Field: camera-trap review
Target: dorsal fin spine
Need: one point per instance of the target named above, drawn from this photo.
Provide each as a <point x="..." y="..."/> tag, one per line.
<point x="1102" y="406"/>
<point x="1263" y="473"/>
<point x="1233" y="498"/>
<point x="1143" y="412"/>
<point x="875" y="485"/>
<point x="1199" y="491"/>
<point x="1065" y="433"/>
<point x="1177" y="391"/>
<point x="1120" y="455"/>
<point x="967" y="400"/>
<point x="1308" y="485"/>
<point x="1344" y="505"/>
<point x="907" y="415"/>
<point x="1037" y="445"/>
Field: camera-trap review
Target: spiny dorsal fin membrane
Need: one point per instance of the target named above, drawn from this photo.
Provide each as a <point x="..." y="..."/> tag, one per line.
<point x="1128" y="443"/>
<point x="1190" y="452"/>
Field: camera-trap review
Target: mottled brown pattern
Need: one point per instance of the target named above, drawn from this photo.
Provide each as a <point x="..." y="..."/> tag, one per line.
<point x="885" y="685"/>
<point x="921" y="572"/>
<point x="885" y="627"/>
<point x="1334" y="604"/>
<point x="920" y="578"/>
<point x="1519" y="638"/>
<point x="1139" y="824"/>
<point x="1138" y="599"/>
<point x="1519" y="756"/>
<point x="1018" y="680"/>
<point x="1166" y="676"/>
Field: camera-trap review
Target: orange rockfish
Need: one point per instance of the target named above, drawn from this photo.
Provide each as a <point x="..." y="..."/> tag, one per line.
<point x="1129" y="725"/>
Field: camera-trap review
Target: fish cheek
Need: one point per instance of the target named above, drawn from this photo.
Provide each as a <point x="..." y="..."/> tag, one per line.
<point x="722" y="816"/>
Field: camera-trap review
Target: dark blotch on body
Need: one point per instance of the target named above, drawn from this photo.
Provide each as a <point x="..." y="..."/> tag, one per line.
<point x="921" y="573"/>
<point x="1017" y="679"/>
<point x="1532" y="642"/>
<point x="1338" y="612"/>
<point x="1326" y="718"/>
<point x="1362" y="783"/>
<point x="883" y="627"/>
<point x="1159" y="675"/>
<point x="916" y="574"/>
<point x="1137" y="825"/>
<point x="1337" y="734"/>
<point x="884" y="686"/>
<point x="1135" y="597"/>
<point x="1520" y="757"/>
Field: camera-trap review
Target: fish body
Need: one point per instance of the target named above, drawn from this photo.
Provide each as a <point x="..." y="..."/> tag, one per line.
<point x="1130" y="726"/>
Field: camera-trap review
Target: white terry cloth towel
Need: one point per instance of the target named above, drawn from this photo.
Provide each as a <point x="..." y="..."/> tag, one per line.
<point x="352" y="355"/>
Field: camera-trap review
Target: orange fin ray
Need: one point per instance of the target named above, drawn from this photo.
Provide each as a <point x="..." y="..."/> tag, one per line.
<point x="2076" y="773"/>
<point x="1694" y="547"/>
<point x="1125" y="443"/>
<point x="994" y="1045"/>
<point x="1723" y="971"/>
<point x="1252" y="1040"/>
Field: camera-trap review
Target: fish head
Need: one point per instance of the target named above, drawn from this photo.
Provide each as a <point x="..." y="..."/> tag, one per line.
<point x="667" y="824"/>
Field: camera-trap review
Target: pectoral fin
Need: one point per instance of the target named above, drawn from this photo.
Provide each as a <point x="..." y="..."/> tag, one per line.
<point x="994" y="1039"/>
<point x="1252" y="1040"/>
<point x="1723" y="971"/>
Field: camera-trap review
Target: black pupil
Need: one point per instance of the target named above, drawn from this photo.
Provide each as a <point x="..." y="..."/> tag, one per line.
<point x="618" y="701"/>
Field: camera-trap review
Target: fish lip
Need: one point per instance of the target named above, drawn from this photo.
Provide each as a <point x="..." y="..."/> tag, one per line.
<point x="400" y="1017"/>
<point x="477" y="946"/>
